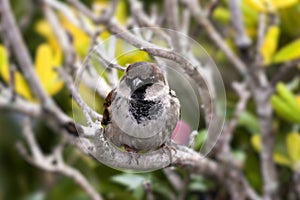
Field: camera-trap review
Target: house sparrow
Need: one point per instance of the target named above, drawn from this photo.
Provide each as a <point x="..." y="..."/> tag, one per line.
<point x="141" y="113"/>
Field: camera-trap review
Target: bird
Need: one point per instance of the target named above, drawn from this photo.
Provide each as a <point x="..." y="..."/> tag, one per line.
<point x="141" y="112"/>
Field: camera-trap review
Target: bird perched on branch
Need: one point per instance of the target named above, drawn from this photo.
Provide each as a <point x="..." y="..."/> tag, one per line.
<point x="141" y="113"/>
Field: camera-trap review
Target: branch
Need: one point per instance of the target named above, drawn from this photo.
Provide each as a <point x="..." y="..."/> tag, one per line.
<point x="201" y="19"/>
<point x="145" y="21"/>
<point x="148" y="190"/>
<point x="284" y="70"/>
<point x="18" y="105"/>
<point x="61" y="36"/>
<point x="260" y="35"/>
<point x="93" y="143"/>
<point x="244" y="96"/>
<point x="242" y="41"/>
<point x="88" y="111"/>
<point x="13" y="36"/>
<point x="53" y="162"/>
<point x="296" y="181"/>
<point x="171" y="9"/>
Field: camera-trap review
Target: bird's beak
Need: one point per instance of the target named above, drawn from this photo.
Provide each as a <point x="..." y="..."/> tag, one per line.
<point x="137" y="83"/>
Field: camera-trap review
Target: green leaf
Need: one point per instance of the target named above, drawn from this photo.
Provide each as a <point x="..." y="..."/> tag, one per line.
<point x="221" y="14"/>
<point x="131" y="181"/>
<point x="200" y="138"/>
<point x="138" y="192"/>
<point x="284" y="110"/>
<point x="289" y="52"/>
<point x="239" y="155"/>
<point x="200" y="184"/>
<point x="287" y="96"/>
<point x="249" y="121"/>
<point x="35" y="196"/>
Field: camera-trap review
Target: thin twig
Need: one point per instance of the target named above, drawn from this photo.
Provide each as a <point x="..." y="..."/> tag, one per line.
<point x="284" y="70"/>
<point x="148" y="190"/>
<point x="88" y="111"/>
<point x="61" y="36"/>
<point x="145" y="21"/>
<point x="201" y="19"/>
<point x="173" y="178"/>
<point x="260" y="38"/>
<point x="242" y="41"/>
<point x="171" y="12"/>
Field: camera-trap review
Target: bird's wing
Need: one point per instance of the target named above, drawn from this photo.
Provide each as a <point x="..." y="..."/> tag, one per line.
<point x="107" y="102"/>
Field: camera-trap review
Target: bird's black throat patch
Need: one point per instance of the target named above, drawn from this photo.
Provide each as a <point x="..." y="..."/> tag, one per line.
<point x="142" y="109"/>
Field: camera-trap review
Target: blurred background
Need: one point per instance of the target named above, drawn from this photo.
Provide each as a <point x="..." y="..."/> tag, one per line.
<point x="281" y="44"/>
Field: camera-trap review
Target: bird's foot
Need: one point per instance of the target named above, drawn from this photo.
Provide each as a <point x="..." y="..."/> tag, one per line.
<point x="133" y="153"/>
<point x="167" y="146"/>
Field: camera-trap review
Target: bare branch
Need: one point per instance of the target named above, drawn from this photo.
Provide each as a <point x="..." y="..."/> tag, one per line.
<point x="242" y="41"/>
<point x="171" y="9"/>
<point x="144" y="21"/>
<point x="75" y="95"/>
<point x="148" y="190"/>
<point x="284" y="70"/>
<point x="244" y="95"/>
<point x="61" y="36"/>
<point x="18" y="105"/>
<point x="173" y="178"/>
<point x="201" y="19"/>
<point x="13" y="36"/>
<point x="260" y="38"/>
<point x="53" y="162"/>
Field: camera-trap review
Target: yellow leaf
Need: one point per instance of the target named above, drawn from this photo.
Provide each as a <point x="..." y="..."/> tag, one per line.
<point x="80" y="40"/>
<point x="269" y="5"/>
<point x="289" y="52"/>
<point x="293" y="146"/>
<point x="45" y="62"/>
<point x="260" y="5"/>
<point x="278" y="4"/>
<point x="43" y="28"/>
<point x="120" y="13"/>
<point x="255" y="141"/>
<point x="131" y="57"/>
<point x="3" y="63"/>
<point x="21" y="87"/>
<point x="298" y="101"/>
<point x="104" y="35"/>
<point x="99" y="6"/>
<point x="269" y="45"/>
<point x="282" y="160"/>
<point x="249" y="19"/>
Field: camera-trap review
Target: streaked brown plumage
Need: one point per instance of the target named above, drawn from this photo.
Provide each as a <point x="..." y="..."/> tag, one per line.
<point x="142" y="111"/>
